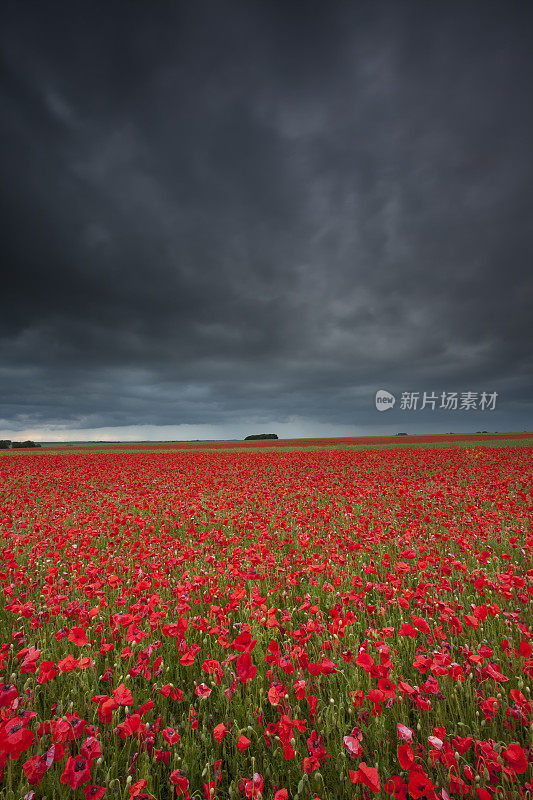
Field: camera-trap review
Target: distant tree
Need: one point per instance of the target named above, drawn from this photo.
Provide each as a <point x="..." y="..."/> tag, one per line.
<point x="261" y="436"/>
<point x="5" y="444"/>
<point x="22" y="445"/>
<point x="401" y="434"/>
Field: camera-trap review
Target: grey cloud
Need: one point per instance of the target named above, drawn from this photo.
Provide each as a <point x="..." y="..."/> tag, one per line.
<point x="226" y="211"/>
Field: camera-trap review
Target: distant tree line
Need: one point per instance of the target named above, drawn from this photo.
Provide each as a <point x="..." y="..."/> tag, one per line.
<point x="261" y="436"/>
<point x="7" y="444"/>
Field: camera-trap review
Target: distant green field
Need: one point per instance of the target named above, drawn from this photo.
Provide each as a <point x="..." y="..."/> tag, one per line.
<point x="481" y="440"/>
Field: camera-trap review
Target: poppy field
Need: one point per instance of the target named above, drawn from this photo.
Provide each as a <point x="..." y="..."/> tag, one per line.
<point x="262" y="624"/>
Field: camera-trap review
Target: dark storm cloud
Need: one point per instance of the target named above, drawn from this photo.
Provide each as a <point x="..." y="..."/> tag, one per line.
<point x="223" y="211"/>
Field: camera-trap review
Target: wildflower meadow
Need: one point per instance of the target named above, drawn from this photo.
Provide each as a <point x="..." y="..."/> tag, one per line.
<point x="305" y="625"/>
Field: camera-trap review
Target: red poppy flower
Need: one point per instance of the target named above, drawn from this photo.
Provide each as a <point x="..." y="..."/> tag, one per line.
<point x="419" y="784"/>
<point x="244" y="668"/>
<point x="171" y="736"/>
<point x="254" y="787"/>
<point x="275" y="693"/>
<point x="404" y="732"/>
<point x="31" y="656"/>
<point x="129" y="726"/>
<point x="106" y="708"/>
<point x="219" y="732"/>
<point x="93" y="792"/>
<point x="180" y="782"/>
<point x="299" y="689"/>
<point x="67" y="663"/>
<point x="210" y="665"/>
<point x="365" y="660"/>
<point x="8" y="693"/>
<point x="35" y="768"/>
<point x="142" y="710"/>
<point x="406" y="757"/>
<point x="243" y="743"/>
<point x="462" y="744"/>
<point x="244" y="643"/>
<point x="15" y="738"/>
<point x="47" y="671"/>
<point x="366" y="775"/>
<point x="78" y="637"/>
<point x="515" y="758"/>
<point x="61" y="731"/>
<point x="328" y="667"/>
<point x="315" y="745"/>
<point x="91" y="749"/>
<point x="394" y="785"/>
<point x="493" y="671"/>
<point x="310" y="764"/>
<point x="387" y="687"/>
<point x="353" y="746"/>
<point x="77" y="771"/>
<point x="122" y="696"/>
<point x="458" y="786"/>
<point x="136" y="789"/>
<point x="525" y="649"/>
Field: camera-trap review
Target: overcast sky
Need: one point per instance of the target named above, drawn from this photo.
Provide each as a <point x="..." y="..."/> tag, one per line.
<point x="222" y="218"/>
